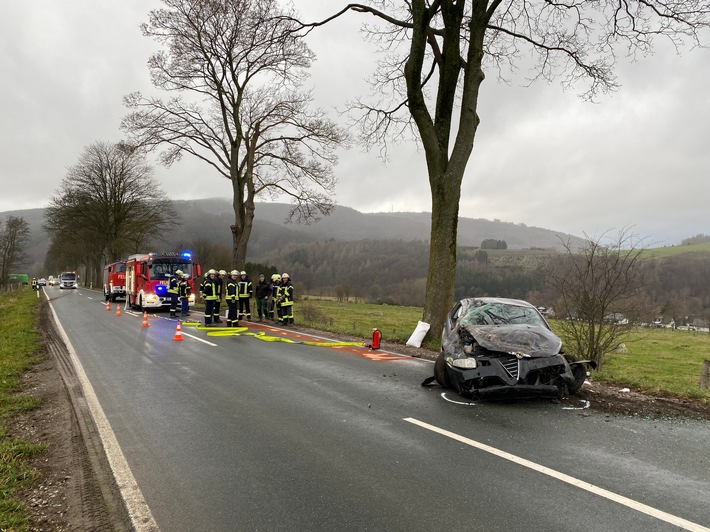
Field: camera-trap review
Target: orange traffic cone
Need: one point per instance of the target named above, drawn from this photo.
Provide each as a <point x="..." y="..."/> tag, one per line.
<point x="108" y="306"/>
<point x="118" y="310"/>
<point x="145" y="320"/>
<point x="178" y="333"/>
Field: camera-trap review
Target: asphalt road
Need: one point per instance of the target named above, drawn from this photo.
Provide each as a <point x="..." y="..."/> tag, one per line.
<point x="242" y="434"/>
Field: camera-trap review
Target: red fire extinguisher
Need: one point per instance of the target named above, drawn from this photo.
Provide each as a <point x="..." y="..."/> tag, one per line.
<point x="376" y="337"/>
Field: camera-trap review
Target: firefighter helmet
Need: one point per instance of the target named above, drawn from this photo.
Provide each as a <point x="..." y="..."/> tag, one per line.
<point x="212" y="272"/>
<point x="284" y="276"/>
<point x="234" y="272"/>
<point x="243" y="273"/>
<point x="222" y="272"/>
<point x="178" y="272"/>
<point x="276" y="277"/>
<point x="185" y="275"/>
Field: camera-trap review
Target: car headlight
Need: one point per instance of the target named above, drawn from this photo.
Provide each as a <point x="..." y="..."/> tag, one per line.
<point x="464" y="363"/>
<point x="151" y="298"/>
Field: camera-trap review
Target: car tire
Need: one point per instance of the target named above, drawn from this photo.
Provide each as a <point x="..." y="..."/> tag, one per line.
<point x="440" y="372"/>
<point x="579" y="371"/>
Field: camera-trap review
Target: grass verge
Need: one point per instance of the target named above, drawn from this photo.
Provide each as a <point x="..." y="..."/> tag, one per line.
<point x="19" y="350"/>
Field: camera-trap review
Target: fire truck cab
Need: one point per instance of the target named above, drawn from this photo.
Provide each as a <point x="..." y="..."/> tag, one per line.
<point x="147" y="277"/>
<point x="115" y="280"/>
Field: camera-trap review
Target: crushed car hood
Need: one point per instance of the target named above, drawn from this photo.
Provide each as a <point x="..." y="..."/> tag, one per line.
<point x="530" y="340"/>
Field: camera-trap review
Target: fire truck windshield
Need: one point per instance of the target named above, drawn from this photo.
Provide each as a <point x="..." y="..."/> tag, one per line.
<point x="164" y="269"/>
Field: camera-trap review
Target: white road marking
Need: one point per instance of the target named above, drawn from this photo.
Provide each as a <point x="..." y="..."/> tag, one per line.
<point x="443" y="394"/>
<point x="138" y="510"/>
<point x="620" y="499"/>
<point x="199" y="339"/>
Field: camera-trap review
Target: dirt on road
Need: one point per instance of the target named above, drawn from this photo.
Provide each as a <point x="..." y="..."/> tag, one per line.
<point x="76" y="490"/>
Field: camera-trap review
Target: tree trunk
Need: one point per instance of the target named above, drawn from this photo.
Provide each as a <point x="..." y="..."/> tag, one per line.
<point x="705" y="375"/>
<point x="243" y="222"/>
<point x="441" y="279"/>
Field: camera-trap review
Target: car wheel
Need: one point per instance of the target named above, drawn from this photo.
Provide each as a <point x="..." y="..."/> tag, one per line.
<point x="579" y="372"/>
<point x="440" y="372"/>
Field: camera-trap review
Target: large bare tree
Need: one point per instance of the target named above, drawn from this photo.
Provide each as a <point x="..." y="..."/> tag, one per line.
<point x="14" y="235"/>
<point x="239" y="66"/>
<point x="434" y="56"/>
<point x="108" y="205"/>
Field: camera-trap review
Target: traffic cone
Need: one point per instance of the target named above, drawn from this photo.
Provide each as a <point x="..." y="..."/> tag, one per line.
<point x="145" y="320"/>
<point x="118" y="310"/>
<point x="178" y="333"/>
<point x="108" y="306"/>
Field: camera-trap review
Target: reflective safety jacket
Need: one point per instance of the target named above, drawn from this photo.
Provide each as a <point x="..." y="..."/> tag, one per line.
<point x="173" y="285"/>
<point x="286" y="294"/>
<point x="209" y="289"/>
<point x="232" y="290"/>
<point x="185" y="289"/>
<point x="245" y="288"/>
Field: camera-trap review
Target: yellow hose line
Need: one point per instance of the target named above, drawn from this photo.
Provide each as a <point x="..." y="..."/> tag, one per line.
<point x="261" y="335"/>
<point x="228" y="331"/>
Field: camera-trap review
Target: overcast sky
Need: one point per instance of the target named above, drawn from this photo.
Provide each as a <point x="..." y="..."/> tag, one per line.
<point x="542" y="157"/>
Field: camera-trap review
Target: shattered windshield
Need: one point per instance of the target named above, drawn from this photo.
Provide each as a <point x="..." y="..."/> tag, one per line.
<point x="497" y="313"/>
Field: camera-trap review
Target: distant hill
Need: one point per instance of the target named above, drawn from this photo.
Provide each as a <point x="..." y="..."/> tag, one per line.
<point x="210" y="219"/>
<point x="346" y="224"/>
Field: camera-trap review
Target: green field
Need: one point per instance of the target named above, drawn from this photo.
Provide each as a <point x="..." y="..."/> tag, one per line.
<point x="669" y="251"/>
<point x="358" y="319"/>
<point x="662" y="361"/>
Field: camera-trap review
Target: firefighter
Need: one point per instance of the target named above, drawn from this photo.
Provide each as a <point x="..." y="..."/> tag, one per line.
<point x="262" y="293"/>
<point x="202" y="284"/>
<point x="34" y="284"/>
<point x="286" y="299"/>
<point x="273" y="303"/>
<point x="209" y="292"/>
<point x="245" y="293"/>
<point x="219" y="282"/>
<point x="232" y="299"/>
<point x="174" y="291"/>
<point x="184" y="293"/>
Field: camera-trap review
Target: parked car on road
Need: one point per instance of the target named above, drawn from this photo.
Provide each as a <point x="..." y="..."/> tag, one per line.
<point x="503" y="348"/>
<point x="42" y="282"/>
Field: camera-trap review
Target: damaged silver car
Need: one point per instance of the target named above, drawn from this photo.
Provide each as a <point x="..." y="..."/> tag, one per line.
<point x="498" y="348"/>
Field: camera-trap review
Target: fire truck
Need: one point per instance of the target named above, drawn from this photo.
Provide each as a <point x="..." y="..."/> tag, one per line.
<point x="115" y="280"/>
<point x="147" y="277"/>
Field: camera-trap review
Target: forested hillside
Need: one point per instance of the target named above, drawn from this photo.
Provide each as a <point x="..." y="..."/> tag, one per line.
<point x="212" y="218"/>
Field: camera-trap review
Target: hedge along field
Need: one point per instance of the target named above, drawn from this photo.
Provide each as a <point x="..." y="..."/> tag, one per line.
<point x="19" y="350"/>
